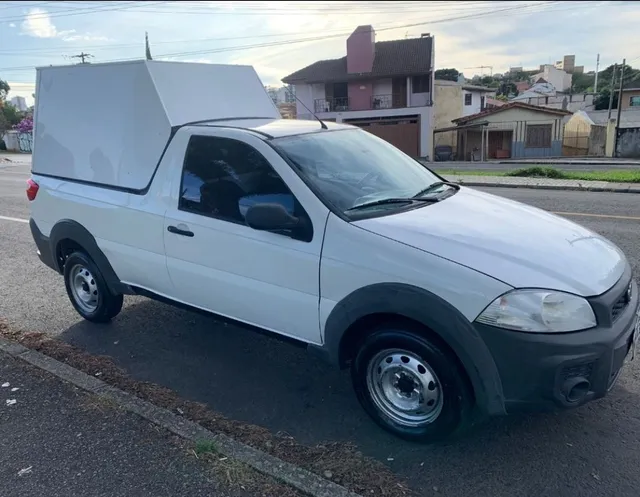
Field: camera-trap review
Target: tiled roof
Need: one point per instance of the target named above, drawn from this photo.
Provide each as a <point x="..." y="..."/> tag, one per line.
<point x="392" y="58"/>
<point x="510" y="105"/>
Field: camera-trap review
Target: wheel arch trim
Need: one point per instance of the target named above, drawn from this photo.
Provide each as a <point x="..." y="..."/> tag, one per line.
<point x="440" y="317"/>
<point x="68" y="229"/>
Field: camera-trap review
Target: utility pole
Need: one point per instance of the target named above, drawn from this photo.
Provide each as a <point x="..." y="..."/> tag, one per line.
<point x="615" y="142"/>
<point x="613" y="82"/>
<point x="82" y="56"/>
<point x="595" y="83"/>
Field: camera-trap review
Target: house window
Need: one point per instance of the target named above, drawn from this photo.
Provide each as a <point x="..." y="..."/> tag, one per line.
<point x="482" y="103"/>
<point x="420" y="84"/>
<point x="634" y="101"/>
<point x="538" y="136"/>
<point x="468" y="98"/>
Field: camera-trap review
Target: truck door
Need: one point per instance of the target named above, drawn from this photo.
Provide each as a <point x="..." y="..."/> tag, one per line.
<point x="218" y="263"/>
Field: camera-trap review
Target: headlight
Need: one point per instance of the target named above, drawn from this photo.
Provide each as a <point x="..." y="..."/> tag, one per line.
<point x="541" y="311"/>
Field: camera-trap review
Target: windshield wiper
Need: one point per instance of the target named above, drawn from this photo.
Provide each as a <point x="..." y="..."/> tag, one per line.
<point x="395" y="200"/>
<point x="435" y="185"/>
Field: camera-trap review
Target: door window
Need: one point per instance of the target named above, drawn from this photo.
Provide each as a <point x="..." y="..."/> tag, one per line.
<point x="222" y="178"/>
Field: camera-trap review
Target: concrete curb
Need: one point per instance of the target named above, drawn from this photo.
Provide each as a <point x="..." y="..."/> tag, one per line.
<point x="550" y="187"/>
<point x="299" y="478"/>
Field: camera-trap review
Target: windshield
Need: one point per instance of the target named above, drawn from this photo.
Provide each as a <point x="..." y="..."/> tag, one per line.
<point x="353" y="167"/>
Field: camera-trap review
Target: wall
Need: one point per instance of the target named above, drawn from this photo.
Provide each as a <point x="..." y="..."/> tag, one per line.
<point x="417" y="99"/>
<point x="582" y="101"/>
<point x="576" y="135"/>
<point x="516" y="120"/>
<point x="425" y="114"/>
<point x="18" y="142"/>
<point x="474" y="108"/>
<point x="557" y="77"/>
<point x="308" y="94"/>
<point x="360" y="95"/>
<point x="382" y="87"/>
<point x="626" y="96"/>
<point x="361" y="50"/>
<point x="628" y="143"/>
<point x="447" y="105"/>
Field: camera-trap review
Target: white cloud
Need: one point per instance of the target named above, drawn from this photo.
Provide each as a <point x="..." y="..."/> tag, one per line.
<point x="11" y="25"/>
<point x="38" y="24"/>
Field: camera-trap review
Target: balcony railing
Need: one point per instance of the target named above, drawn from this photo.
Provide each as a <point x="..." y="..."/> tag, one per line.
<point x="331" y="104"/>
<point x="388" y="101"/>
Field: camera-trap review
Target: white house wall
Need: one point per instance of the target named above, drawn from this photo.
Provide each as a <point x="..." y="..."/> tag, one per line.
<point x="382" y="87"/>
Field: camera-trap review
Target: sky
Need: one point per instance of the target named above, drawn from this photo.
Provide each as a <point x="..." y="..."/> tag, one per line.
<point x="278" y="38"/>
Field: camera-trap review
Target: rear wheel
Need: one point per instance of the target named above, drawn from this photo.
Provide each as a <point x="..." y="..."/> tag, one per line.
<point x="410" y="385"/>
<point x="88" y="290"/>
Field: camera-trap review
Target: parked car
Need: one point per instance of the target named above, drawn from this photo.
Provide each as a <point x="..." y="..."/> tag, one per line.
<point x="443" y="153"/>
<point x="446" y="303"/>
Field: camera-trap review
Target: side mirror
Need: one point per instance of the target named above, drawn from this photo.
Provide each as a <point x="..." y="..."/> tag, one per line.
<point x="270" y="217"/>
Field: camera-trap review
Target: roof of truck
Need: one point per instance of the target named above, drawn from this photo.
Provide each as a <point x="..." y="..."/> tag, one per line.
<point x="276" y="128"/>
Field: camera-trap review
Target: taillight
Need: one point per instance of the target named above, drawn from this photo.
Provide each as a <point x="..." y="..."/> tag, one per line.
<point x="32" y="189"/>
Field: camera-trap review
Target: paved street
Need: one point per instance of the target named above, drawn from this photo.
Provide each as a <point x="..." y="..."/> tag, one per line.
<point x="590" y="451"/>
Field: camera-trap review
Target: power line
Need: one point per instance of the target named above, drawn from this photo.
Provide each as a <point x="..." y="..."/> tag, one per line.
<point x="77" y="12"/>
<point x="323" y="37"/>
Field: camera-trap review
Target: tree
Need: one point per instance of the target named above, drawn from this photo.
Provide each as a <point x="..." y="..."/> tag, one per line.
<point x="4" y="90"/>
<point x="11" y="113"/>
<point x="601" y="101"/>
<point x="450" y="74"/>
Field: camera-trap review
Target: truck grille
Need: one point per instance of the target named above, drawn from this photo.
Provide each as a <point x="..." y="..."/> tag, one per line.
<point x="620" y="305"/>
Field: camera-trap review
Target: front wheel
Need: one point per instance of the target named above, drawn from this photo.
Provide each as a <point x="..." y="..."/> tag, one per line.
<point x="410" y="386"/>
<point x="88" y="290"/>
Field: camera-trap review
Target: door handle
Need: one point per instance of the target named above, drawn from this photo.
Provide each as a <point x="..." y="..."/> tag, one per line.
<point x="177" y="231"/>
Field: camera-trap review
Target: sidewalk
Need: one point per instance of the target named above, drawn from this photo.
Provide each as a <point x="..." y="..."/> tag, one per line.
<point x="58" y="440"/>
<point x="543" y="183"/>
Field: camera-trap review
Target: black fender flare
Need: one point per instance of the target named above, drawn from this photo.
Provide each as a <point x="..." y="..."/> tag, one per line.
<point x="437" y="315"/>
<point x="67" y="229"/>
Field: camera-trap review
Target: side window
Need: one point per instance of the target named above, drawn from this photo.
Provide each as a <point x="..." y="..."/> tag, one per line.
<point x="222" y="178"/>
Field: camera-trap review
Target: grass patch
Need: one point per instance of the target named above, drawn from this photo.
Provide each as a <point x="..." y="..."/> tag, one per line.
<point x="615" y="176"/>
<point x="206" y="447"/>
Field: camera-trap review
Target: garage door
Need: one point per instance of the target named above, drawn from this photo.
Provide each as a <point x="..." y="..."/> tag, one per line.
<point x="403" y="133"/>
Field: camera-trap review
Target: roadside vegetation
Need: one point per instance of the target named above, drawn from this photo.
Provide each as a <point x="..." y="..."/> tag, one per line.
<point x="617" y="176"/>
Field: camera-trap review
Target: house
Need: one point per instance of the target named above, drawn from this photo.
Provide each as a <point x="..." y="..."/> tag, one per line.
<point x="452" y="100"/>
<point x="631" y="95"/>
<point x="514" y="130"/>
<point x="383" y="87"/>
<point x="543" y="93"/>
<point x="561" y="80"/>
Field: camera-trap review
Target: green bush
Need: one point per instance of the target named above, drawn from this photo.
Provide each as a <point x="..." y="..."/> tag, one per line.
<point x="538" y="172"/>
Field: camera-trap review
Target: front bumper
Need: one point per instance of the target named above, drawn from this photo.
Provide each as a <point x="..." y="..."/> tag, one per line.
<point x="542" y="371"/>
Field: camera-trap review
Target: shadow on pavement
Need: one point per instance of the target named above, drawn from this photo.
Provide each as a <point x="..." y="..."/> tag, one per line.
<point x="253" y="378"/>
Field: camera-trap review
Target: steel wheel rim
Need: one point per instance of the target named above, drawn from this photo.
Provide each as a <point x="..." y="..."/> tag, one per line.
<point x="84" y="288"/>
<point x="404" y="388"/>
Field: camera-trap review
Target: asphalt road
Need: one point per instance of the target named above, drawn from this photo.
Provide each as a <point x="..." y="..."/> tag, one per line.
<point x="589" y="451"/>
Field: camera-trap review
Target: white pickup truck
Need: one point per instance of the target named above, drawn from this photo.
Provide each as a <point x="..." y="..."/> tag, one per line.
<point x="180" y="182"/>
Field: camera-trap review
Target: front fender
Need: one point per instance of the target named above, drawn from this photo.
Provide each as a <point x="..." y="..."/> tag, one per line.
<point x="433" y="312"/>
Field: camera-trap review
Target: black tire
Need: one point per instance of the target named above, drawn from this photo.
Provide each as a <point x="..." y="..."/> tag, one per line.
<point x="456" y="395"/>
<point x="107" y="304"/>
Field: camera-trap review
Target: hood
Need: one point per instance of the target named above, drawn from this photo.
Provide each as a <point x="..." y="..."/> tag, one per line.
<point x="520" y="245"/>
